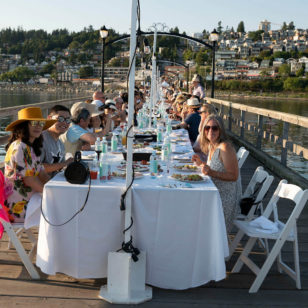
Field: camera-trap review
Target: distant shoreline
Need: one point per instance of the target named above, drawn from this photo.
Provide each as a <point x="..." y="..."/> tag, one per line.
<point x="86" y="89"/>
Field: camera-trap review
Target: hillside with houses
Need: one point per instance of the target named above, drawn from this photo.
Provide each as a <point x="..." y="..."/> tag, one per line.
<point x="36" y="56"/>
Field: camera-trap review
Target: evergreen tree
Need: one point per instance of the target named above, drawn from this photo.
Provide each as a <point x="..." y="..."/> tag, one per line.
<point x="241" y="27"/>
<point x="291" y="26"/>
<point x="219" y="27"/>
<point x="284" y="26"/>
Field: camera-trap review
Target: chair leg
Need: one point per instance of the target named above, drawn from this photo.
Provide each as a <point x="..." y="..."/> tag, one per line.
<point x="239" y="263"/>
<point x="21" y="251"/>
<point x="296" y="264"/>
<point x="239" y="235"/>
<point x="266" y="267"/>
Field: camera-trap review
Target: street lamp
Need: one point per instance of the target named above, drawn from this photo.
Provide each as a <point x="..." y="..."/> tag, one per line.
<point x="213" y="38"/>
<point x="103" y="33"/>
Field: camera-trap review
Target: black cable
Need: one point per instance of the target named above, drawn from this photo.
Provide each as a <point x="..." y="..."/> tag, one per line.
<point x="79" y="211"/>
<point x="128" y="246"/>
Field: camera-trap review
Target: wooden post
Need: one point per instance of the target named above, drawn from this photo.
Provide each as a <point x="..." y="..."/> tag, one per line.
<point x="243" y="113"/>
<point x="284" y="145"/>
<point x="260" y="132"/>
<point x="230" y="118"/>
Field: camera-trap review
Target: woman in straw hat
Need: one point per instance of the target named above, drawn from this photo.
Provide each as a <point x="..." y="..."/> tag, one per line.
<point x="24" y="172"/>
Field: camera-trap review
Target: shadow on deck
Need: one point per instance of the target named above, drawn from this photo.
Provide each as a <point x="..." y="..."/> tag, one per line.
<point x="62" y="291"/>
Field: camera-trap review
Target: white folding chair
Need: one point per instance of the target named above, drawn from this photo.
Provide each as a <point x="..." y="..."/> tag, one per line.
<point x="259" y="176"/>
<point x="286" y="232"/>
<point x="241" y="155"/>
<point x="14" y="237"/>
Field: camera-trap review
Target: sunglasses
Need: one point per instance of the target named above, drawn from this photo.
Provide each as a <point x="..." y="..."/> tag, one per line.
<point x="37" y="123"/>
<point x="62" y="119"/>
<point x="214" y="128"/>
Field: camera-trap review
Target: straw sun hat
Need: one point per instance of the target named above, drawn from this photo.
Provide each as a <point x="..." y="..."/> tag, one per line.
<point x="193" y="102"/>
<point x="30" y="114"/>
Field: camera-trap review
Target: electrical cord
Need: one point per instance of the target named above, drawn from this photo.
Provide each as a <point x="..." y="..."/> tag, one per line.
<point x="79" y="211"/>
<point x="128" y="246"/>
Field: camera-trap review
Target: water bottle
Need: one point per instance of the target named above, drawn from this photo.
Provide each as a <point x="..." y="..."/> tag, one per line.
<point x="168" y="144"/>
<point x="159" y="135"/>
<point x="114" y="143"/>
<point x="165" y="158"/>
<point x="154" y="122"/>
<point x="164" y="152"/>
<point x="169" y="128"/>
<point x="97" y="147"/>
<point x="104" y="145"/>
<point x="153" y="165"/>
<point x="104" y="168"/>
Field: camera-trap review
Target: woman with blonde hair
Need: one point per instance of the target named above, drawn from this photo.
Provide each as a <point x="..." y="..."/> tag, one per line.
<point x="205" y="111"/>
<point x="221" y="165"/>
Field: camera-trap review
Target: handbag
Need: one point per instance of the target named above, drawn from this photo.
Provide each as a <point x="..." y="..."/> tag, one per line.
<point x="77" y="172"/>
<point x="247" y="203"/>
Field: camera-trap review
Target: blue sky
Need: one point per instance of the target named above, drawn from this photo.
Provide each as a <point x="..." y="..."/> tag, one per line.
<point x="189" y="16"/>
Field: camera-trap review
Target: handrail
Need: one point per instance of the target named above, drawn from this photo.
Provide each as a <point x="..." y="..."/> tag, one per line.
<point x="282" y="116"/>
<point x="12" y="111"/>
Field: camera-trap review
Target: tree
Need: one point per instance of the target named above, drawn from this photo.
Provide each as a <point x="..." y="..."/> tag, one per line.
<point x="255" y="35"/>
<point x="291" y="26"/>
<point x="86" y="71"/>
<point x="48" y="69"/>
<point x="201" y="57"/>
<point x="284" y="26"/>
<point x="219" y="27"/>
<point x="241" y="27"/>
<point x="300" y="72"/>
<point x="284" y="70"/>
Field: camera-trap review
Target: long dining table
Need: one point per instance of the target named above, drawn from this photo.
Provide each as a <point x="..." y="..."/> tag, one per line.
<point x="180" y="226"/>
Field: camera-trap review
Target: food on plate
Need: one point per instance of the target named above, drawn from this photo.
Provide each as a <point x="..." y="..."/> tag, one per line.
<point x="157" y="148"/>
<point x="138" y="146"/>
<point x="186" y="167"/>
<point x="144" y="162"/>
<point x="137" y="167"/>
<point x="188" y="177"/>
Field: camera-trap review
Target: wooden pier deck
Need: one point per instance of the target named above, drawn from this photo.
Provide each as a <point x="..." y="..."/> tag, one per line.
<point x="278" y="290"/>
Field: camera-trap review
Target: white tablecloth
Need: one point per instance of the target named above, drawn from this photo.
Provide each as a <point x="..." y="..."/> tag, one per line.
<point x="182" y="230"/>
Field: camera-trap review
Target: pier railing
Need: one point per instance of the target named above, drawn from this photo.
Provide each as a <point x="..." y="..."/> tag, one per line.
<point x="282" y="135"/>
<point x="11" y="113"/>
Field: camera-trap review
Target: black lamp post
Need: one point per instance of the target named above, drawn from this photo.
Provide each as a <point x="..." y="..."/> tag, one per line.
<point x="213" y="38"/>
<point x="103" y="33"/>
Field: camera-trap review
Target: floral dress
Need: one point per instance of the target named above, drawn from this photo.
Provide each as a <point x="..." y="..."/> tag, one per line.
<point x="20" y="161"/>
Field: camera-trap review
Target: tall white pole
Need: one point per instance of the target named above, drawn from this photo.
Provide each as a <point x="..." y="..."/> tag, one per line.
<point x="129" y="158"/>
<point x="126" y="278"/>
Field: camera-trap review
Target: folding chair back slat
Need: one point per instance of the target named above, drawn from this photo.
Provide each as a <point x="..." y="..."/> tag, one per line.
<point x="241" y="155"/>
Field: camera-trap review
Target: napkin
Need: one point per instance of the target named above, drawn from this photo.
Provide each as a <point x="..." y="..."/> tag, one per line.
<point x="88" y="154"/>
<point x="180" y="148"/>
<point x="264" y="225"/>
